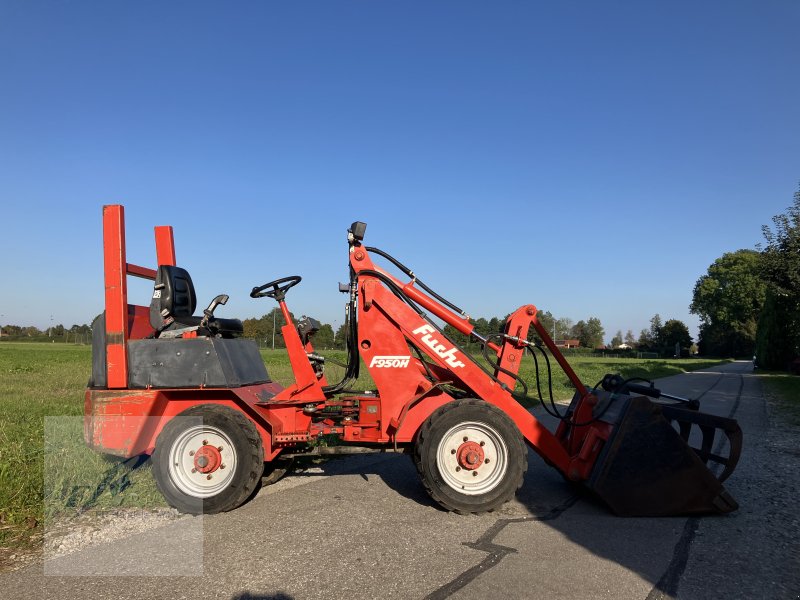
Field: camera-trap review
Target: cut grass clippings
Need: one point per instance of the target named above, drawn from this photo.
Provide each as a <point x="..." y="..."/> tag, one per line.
<point x="46" y="477"/>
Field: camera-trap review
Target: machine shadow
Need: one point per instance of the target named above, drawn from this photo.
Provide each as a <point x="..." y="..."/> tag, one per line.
<point x="547" y="509"/>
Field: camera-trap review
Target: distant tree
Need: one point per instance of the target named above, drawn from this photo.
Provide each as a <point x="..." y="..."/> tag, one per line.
<point x="655" y="331"/>
<point x="616" y="341"/>
<point x="482" y="327"/>
<point x="645" y="339"/>
<point x="728" y="299"/>
<point x="596" y="332"/>
<point x="675" y="332"/>
<point x="564" y="327"/>
<point x="578" y="331"/>
<point x="629" y="339"/>
<point x="340" y="341"/>
<point x="496" y="325"/>
<point x="323" y="339"/>
<point x="261" y="329"/>
<point x="455" y="335"/>
<point x="589" y="333"/>
<point x="547" y="321"/>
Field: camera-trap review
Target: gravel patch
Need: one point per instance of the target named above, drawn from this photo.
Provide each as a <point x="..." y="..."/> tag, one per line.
<point x="89" y="529"/>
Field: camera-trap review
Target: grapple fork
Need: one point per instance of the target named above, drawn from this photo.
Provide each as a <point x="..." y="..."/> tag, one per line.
<point x="648" y="467"/>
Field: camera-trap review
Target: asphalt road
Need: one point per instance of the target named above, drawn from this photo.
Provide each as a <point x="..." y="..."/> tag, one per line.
<point x="366" y="529"/>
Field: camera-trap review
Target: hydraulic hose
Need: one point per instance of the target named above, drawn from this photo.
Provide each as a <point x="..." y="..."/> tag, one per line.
<point x="419" y="282"/>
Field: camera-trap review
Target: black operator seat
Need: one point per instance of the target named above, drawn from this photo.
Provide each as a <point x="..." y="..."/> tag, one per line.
<point x="173" y="305"/>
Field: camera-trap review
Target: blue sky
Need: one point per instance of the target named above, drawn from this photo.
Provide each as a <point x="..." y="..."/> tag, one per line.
<point x="592" y="158"/>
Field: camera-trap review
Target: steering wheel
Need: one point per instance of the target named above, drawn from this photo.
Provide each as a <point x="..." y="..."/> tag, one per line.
<point x="279" y="288"/>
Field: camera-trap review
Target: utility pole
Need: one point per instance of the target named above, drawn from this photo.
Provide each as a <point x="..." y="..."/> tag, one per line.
<point x="274" y="312"/>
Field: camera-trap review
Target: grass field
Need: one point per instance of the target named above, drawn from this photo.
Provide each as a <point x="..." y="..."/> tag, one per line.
<point x="38" y="381"/>
<point x="786" y="389"/>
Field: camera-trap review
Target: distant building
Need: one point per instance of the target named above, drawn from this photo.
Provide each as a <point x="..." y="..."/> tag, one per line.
<point x="624" y="346"/>
<point x="568" y="344"/>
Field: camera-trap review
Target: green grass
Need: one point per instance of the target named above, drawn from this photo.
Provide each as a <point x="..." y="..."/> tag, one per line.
<point x="786" y="390"/>
<point x="58" y="472"/>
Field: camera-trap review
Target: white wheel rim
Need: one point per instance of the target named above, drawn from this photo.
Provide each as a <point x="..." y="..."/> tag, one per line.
<point x="464" y="440"/>
<point x="183" y="469"/>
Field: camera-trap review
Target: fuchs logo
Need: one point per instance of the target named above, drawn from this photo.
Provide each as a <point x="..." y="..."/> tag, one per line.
<point x="448" y="355"/>
<point x="384" y="362"/>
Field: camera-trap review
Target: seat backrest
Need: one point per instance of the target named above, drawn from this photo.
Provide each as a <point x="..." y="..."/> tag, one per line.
<point x="173" y="295"/>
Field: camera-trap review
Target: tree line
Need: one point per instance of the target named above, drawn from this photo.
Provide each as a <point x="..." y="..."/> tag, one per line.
<point x="749" y="300"/>
<point x="79" y="334"/>
<point x="660" y="337"/>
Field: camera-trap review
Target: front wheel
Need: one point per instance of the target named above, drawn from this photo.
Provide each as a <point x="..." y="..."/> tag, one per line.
<point x="470" y="456"/>
<point x="208" y="459"/>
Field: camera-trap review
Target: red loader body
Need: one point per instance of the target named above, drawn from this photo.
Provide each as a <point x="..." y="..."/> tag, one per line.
<point x="464" y="423"/>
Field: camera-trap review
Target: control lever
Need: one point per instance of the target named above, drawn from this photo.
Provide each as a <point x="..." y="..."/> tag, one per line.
<point x="208" y="314"/>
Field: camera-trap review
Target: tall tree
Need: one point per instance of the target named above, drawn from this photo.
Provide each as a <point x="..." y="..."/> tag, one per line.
<point x="779" y="326"/>
<point x="728" y="299"/>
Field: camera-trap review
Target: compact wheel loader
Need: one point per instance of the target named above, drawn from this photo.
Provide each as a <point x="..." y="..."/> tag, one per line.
<point x="194" y="395"/>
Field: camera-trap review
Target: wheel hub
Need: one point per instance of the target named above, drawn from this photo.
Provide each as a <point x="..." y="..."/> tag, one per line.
<point x="470" y="455"/>
<point x="207" y="459"/>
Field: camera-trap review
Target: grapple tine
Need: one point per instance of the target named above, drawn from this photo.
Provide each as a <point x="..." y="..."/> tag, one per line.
<point x="709" y="425"/>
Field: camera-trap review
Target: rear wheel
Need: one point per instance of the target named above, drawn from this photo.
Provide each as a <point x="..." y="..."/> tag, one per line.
<point x="208" y="459"/>
<point x="470" y="456"/>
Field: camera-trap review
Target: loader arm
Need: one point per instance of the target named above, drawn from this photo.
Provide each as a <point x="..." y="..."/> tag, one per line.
<point x="382" y="309"/>
<point x="604" y="440"/>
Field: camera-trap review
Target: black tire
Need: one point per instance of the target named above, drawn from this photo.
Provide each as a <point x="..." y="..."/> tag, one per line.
<point x="198" y="432"/>
<point x="275" y="469"/>
<point x="470" y="456"/>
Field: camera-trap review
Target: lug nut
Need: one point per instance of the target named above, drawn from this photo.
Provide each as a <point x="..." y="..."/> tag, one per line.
<point x="466" y="439"/>
<point x="483" y="443"/>
<point x="219" y="448"/>
<point x="205" y="442"/>
<point x="222" y="466"/>
<point x="208" y="476"/>
<point x="194" y="470"/>
<point x="458" y="468"/>
<point x="452" y="451"/>
<point x="191" y="452"/>
<point x="474" y="473"/>
<point x="486" y="461"/>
